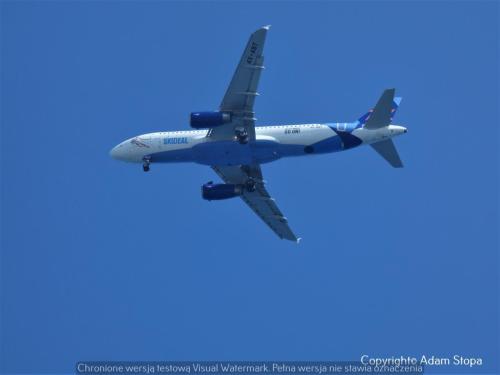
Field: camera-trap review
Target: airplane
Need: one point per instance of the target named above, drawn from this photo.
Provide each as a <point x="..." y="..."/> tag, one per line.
<point x="230" y="143"/>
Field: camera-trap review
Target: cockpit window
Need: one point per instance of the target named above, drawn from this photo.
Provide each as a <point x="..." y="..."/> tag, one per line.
<point x="139" y="142"/>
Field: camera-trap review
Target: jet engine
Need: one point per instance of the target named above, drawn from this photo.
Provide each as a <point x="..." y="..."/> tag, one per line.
<point x="211" y="191"/>
<point x="204" y="120"/>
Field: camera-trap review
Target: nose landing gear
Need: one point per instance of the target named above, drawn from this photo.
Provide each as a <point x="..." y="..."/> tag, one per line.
<point x="145" y="163"/>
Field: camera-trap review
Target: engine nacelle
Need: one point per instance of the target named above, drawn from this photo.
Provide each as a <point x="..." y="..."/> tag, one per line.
<point x="212" y="192"/>
<point x="204" y="120"/>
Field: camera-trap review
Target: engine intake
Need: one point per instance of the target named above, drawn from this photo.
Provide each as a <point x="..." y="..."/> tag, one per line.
<point x="211" y="191"/>
<point x="203" y="120"/>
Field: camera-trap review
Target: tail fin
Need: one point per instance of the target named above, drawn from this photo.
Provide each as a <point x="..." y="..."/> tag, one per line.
<point x="394" y="107"/>
<point x="380" y="117"/>
<point x="362" y="120"/>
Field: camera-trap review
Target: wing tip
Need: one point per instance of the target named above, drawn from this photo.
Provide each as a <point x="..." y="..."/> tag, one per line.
<point x="267" y="27"/>
<point x="292" y="238"/>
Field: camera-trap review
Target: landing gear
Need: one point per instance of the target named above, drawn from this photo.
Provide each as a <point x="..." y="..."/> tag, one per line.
<point x="250" y="185"/>
<point x="241" y="135"/>
<point x="145" y="165"/>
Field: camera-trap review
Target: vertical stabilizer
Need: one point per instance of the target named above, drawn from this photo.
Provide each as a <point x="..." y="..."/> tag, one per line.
<point x="395" y="105"/>
<point x="382" y="113"/>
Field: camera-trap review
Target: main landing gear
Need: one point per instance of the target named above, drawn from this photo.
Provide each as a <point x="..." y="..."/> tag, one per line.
<point x="241" y="135"/>
<point x="250" y="185"/>
<point x="145" y="163"/>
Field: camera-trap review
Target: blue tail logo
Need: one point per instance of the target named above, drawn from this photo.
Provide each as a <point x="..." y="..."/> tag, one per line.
<point x="395" y="104"/>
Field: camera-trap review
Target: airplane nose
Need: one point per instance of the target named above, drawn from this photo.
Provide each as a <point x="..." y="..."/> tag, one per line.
<point x="116" y="152"/>
<point x="405" y="130"/>
<point x="112" y="153"/>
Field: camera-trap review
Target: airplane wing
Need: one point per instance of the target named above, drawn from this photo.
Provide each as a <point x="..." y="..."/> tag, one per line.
<point x="242" y="90"/>
<point x="259" y="200"/>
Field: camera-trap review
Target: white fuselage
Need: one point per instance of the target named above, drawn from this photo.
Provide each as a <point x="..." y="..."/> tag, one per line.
<point x="271" y="143"/>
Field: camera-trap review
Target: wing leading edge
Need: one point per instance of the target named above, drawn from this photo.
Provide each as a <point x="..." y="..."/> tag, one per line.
<point x="258" y="200"/>
<point x="242" y="90"/>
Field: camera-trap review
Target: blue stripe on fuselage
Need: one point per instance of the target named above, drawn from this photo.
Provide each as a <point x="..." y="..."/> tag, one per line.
<point x="331" y="144"/>
<point x="261" y="151"/>
<point x="344" y="131"/>
<point x="343" y="126"/>
<point x="348" y="140"/>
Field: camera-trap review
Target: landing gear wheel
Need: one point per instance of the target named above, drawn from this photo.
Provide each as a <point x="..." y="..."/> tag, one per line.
<point x="250" y="185"/>
<point x="241" y="136"/>
<point x="145" y="164"/>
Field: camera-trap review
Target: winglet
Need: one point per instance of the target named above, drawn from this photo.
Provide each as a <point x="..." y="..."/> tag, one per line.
<point x="298" y="240"/>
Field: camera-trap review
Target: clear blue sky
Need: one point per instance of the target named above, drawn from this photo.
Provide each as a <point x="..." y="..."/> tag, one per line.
<point x="102" y="261"/>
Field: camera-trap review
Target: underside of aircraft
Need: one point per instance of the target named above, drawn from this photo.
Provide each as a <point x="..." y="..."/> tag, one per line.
<point x="229" y="142"/>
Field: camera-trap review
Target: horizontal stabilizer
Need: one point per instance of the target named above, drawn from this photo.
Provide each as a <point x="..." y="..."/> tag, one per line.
<point x="388" y="151"/>
<point x="382" y="113"/>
